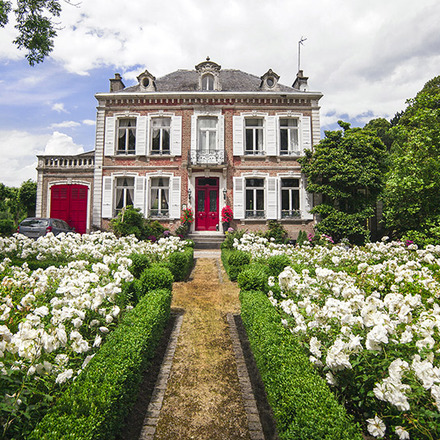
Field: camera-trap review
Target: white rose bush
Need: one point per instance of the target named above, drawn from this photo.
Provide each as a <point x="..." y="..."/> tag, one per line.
<point x="369" y="319"/>
<point x="54" y="320"/>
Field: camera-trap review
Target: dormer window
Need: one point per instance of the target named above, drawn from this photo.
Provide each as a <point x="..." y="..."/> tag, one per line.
<point x="147" y="82"/>
<point x="269" y="81"/>
<point x="209" y="75"/>
<point x="208" y="82"/>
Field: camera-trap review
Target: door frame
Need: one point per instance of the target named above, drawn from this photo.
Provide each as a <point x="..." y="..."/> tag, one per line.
<point x="207" y="201"/>
<point x="70" y="182"/>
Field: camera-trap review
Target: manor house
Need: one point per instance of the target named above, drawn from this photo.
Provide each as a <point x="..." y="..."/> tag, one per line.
<point x="202" y="138"/>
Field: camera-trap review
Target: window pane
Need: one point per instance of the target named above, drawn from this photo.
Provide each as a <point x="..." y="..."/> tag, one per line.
<point x="253" y="122"/>
<point x="156" y="140"/>
<point x="249" y="199"/>
<point x="285" y="206"/>
<point x="289" y="122"/>
<point x="249" y="139"/>
<point x="283" y="140"/>
<point x="213" y="201"/>
<point x="164" y="200"/>
<point x="254" y="183"/>
<point x="165" y="140"/>
<point x="290" y="183"/>
<point x="201" y="201"/>
<point x="260" y="200"/>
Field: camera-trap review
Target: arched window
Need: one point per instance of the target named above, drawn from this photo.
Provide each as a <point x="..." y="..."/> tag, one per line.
<point x="208" y="82"/>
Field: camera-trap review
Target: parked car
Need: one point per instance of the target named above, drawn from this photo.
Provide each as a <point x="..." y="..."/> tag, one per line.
<point x="36" y="227"/>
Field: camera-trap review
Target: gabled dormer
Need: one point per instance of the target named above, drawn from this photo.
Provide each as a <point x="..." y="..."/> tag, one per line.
<point x="209" y="75"/>
<point x="269" y="81"/>
<point x="147" y="82"/>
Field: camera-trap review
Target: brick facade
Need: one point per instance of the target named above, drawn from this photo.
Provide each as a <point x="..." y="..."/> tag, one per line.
<point x="207" y="135"/>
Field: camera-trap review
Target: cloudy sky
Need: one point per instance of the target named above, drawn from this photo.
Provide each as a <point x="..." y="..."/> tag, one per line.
<point x="367" y="58"/>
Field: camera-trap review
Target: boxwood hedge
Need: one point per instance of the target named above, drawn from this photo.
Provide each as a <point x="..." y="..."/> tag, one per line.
<point x="95" y="405"/>
<point x="303" y="405"/>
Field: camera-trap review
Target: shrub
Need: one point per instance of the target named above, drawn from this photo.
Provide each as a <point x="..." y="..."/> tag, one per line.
<point x="302" y="238"/>
<point x="277" y="263"/>
<point x="253" y="277"/>
<point x="96" y="404"/>
<point x="140" y="263"/>
<point x="153" y="229"/>
<point x="155" y="277"/>
<point x="303" y="405"/>
<point x="130" y="221"/>
<point x="228" y="242"/>
<point x="7" y="226"/>
<point x="236" y="261"/>
<point x="277" y="232"/>
<point x="183" y="230"/>
<point x="180" y="263"/>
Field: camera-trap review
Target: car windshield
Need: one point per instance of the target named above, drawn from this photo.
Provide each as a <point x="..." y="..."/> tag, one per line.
<point x="35" y="223"/>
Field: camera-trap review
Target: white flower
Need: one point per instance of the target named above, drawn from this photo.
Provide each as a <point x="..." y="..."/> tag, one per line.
<point x="62" y="377"/>
<point x="376" y="427"/>
<point x="402" y="433"/>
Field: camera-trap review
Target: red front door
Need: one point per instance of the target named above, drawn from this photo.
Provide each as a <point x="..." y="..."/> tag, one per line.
<point x="206" y="203"/>
<point x="69" y="203"/>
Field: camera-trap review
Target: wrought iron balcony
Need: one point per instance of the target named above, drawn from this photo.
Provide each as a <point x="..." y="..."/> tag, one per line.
<point x="208" y="157"/>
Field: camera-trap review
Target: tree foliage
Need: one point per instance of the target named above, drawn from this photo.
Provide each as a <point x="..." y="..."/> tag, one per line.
<point x="412" y="192"/>
<point x="347" y="168"/>
<point x="35" y="25"/>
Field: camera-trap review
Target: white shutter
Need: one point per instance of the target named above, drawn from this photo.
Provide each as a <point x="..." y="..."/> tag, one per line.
<point x="238" y="197"/>
<point x="139" y="193"/>
<point x="175" y="197"/>
<point x="237" y="135"/>
<point x="272" y="198"/>
<point x="306" y="134"/>
<point x="141" y="135"/>
<point x="193" y="132"/>
<point x="305" y="200"/>
<point x="110" y="136"/>
<point x="107" y="197"/>
<point x="221" y="133"/>
<point x="271" y="135"/>
<point x="176" y="136"/>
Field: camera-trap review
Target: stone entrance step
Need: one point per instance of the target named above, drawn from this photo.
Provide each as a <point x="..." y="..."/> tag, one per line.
<point x="207" y="239"/>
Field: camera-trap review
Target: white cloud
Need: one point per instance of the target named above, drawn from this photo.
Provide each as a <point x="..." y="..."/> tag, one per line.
<point x="65" y="124"/>
<point x="59" y="107"/>
<point x="60" y="143"/>
<point x="89" y="122"/>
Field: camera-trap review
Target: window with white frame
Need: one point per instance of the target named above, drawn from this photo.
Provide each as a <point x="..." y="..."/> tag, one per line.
<point x="290" y="206"/>
<point x="254" y="135"/>
<point x="254" y="198"/>
<point x="126" y="139"/>
<point x="289" y="136"/>
<point x="208" y="82"/>
<point x="159" y="197"/>
<point x="124" y="192"/>
<point x="160" y="135"/>
<point x="207" y="130"/>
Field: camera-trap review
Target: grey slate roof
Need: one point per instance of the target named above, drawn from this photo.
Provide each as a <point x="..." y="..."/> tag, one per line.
<point x="231" y="80"/>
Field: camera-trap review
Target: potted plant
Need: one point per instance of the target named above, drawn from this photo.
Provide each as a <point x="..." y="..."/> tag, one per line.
<point x="226" y="217"/>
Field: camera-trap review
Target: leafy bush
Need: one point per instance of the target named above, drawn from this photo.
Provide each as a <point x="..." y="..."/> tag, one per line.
<point x="7" y="226"/>
<point x="153" y="278"/>
<point x="277" y="263"/>
<point x="183" y="230"/>
<point x="180" y="263"/>
<point x="277" y="232"/>
<point x="303" y="406"/>
<point x="140" y="263"/>
<point x="96" y="404"/>
<point x="154" y="229"/>
<point x="254" y="277"/>
<point x="130" y="221"/>
<point x="236" y="261"/>
<point x="302" y="238"/>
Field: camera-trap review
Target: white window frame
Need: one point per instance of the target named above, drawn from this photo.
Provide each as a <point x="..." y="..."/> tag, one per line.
<point x="126" y="130"/>
<point x="295" y="151"/>
<point x="209" y="132"/>
<point x="124" y="189"/>
<point x="255" y="190"/>
<point x="304" y="133"/>
<point x="161" y="129"/>
<point x="160" y="189"/>
<point x="290" y="190"/>
<point x="208" y="82"/>
<point x="256" y="130"/>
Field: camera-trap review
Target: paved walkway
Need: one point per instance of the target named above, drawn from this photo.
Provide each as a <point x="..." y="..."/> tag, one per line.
<point x="203" y="390"/>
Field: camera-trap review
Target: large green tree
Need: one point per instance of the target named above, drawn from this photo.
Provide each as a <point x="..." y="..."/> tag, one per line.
<point x="346" y="168"/>
<point x="35" y="24"/>
<point x="412" y="192"/>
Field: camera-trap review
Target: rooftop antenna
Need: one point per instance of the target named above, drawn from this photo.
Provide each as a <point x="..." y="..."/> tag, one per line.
<point x="300" y="43"/>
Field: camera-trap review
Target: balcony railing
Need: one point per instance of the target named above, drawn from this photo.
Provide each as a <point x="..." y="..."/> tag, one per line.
<point x="211" y="157"/>
<point x="66" y="161"/>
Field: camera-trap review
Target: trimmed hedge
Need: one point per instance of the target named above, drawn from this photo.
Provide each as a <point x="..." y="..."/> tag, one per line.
<point x="303" y="405"/>
<point x="95" y="405"/>
<point x="181" y="263"/>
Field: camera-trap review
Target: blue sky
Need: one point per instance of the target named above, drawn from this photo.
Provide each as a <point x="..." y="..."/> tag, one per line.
<point x="367" y="58"/>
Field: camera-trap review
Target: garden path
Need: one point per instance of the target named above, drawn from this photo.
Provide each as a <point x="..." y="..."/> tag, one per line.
<point x="203" y="397"/>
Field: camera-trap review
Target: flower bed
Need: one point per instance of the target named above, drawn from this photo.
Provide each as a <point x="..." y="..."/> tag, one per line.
<point x="53" y="321"/>
<point x="369" y="319"/>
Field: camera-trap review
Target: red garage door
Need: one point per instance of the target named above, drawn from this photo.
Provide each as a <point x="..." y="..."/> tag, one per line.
<point x="69" y="203"/>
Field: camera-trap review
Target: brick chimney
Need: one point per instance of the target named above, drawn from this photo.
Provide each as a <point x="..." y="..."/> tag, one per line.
<point x="300" y="82"/>
<point x="116" y="83"/>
